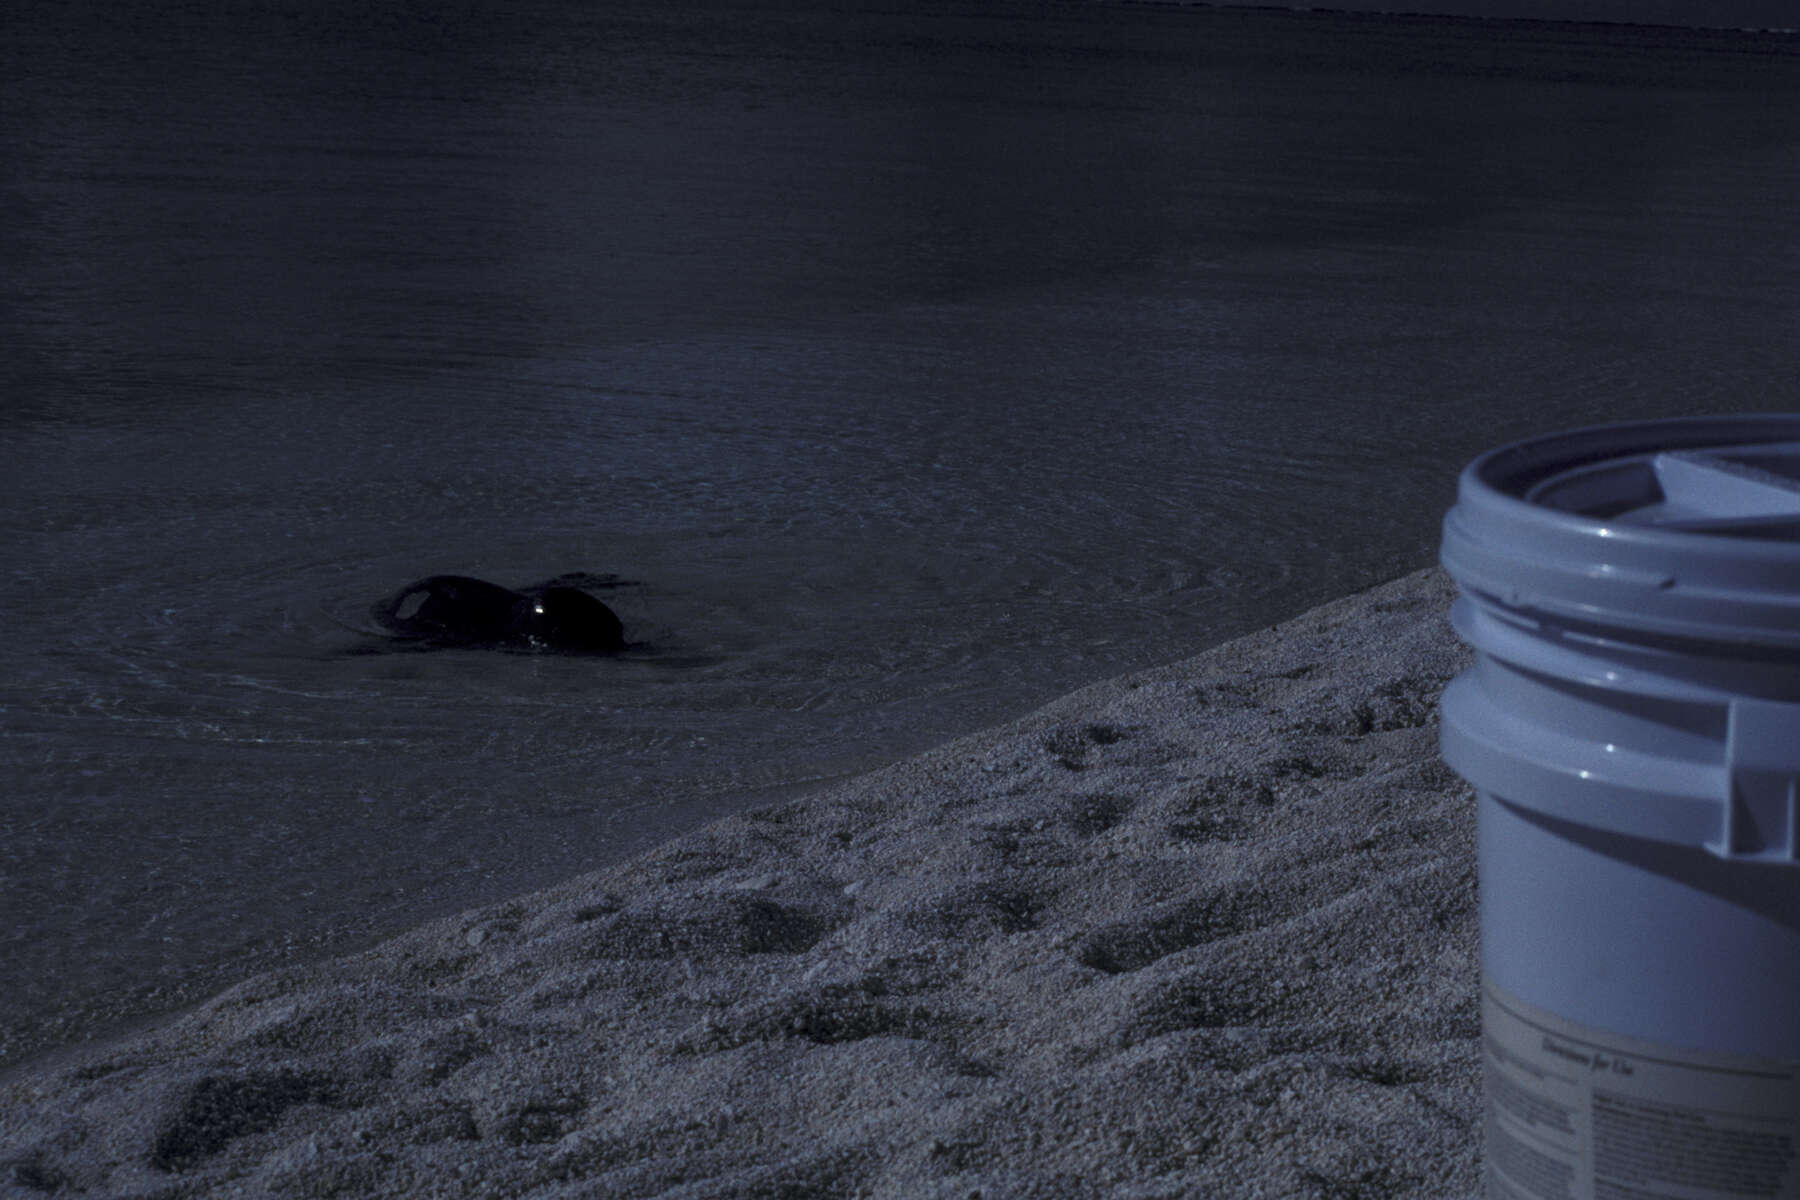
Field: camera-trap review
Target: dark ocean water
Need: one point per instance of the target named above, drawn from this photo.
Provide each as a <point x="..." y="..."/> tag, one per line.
<point x="920" y="368"/>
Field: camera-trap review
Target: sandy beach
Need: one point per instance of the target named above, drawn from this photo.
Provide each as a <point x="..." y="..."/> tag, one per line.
<point x="1204" y="930"/>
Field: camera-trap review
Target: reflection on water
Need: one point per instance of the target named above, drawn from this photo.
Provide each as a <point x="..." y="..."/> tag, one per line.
<point x="921" y="368"/>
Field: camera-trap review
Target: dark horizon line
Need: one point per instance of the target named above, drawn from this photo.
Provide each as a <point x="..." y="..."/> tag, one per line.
<point x="1538" y="14"/>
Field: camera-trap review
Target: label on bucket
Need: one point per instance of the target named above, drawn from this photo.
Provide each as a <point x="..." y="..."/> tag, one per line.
<point x="1578" y="1113"/>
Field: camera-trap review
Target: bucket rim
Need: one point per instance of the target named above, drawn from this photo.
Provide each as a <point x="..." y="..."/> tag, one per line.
<point x="1732" y="579"/>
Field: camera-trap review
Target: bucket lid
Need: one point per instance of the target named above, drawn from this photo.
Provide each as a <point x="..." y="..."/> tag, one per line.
<point x="1685" y="528"/>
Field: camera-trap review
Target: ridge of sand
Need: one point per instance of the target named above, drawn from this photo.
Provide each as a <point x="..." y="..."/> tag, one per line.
<point x="1205" y="930"/>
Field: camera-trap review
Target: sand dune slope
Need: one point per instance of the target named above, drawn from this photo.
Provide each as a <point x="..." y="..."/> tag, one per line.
<point x="1207" y="930"/>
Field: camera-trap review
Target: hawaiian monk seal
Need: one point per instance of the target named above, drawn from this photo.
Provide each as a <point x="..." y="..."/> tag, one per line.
<point x="459" y="610"/>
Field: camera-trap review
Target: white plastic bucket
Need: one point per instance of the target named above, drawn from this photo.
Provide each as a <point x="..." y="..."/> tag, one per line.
<point x="1631" y="726"/>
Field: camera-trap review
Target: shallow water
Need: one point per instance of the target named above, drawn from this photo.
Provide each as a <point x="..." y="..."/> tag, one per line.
<point x="918" y="369"/>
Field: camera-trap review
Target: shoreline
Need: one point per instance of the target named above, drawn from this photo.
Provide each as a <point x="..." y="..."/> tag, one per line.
<point x="1193" y="927"/>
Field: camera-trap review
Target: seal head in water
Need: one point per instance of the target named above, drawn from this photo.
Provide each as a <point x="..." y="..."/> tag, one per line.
<point x="460" y="610"/>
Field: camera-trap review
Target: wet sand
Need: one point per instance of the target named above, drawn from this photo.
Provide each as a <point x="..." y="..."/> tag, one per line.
<point x="1206" y="930"/>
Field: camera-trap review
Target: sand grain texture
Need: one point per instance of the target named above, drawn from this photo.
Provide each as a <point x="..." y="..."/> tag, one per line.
<point x="1206" y="930"/>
